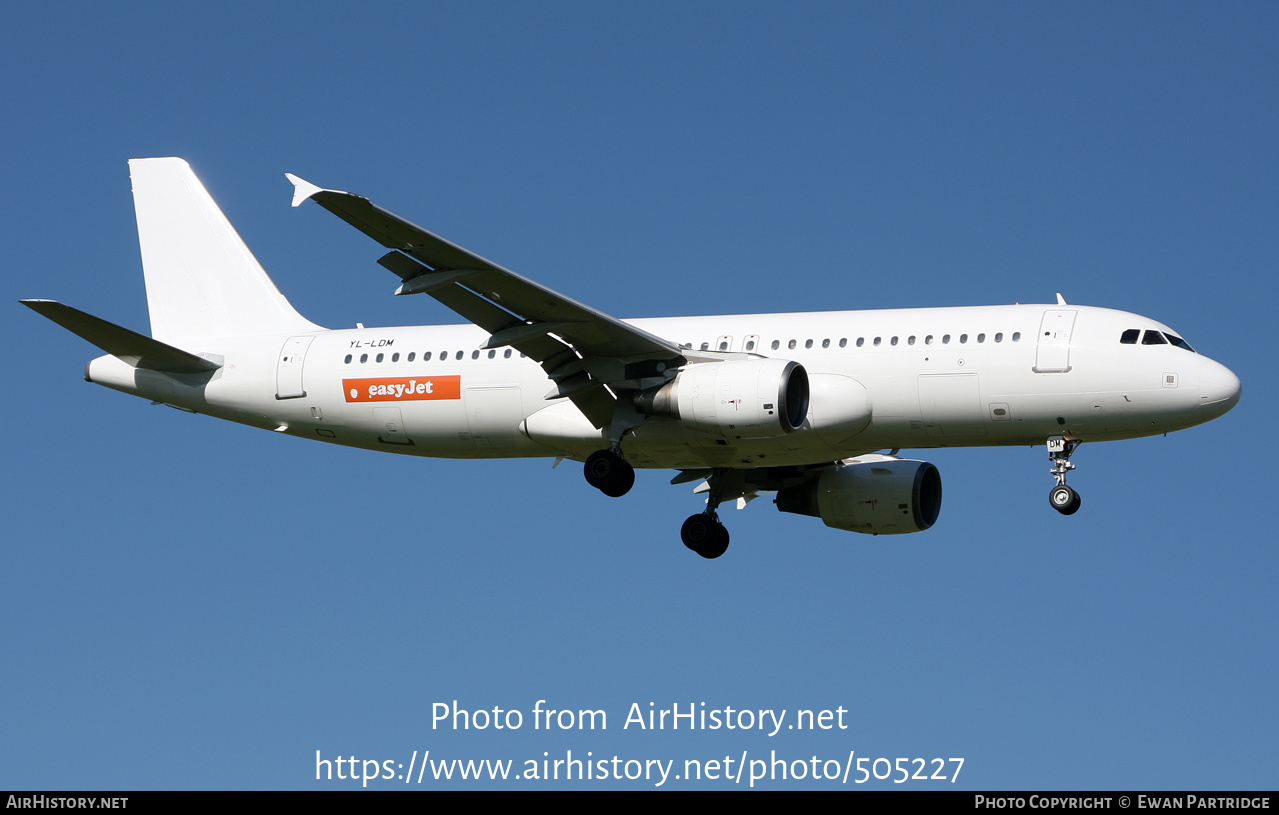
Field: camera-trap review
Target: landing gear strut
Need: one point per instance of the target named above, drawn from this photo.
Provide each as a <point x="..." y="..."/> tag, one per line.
<point x="1062" y="498"/>
<point x="609" y="473"/>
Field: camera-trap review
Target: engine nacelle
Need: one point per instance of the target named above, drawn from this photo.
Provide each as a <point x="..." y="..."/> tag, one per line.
<point x="747" y="399"/>
<point x="877" y="495"/>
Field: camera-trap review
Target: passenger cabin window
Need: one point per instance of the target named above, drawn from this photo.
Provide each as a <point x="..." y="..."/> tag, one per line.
<point x="1130" y="336"/>
<point x="861" y="341"/>
<point x="843" y="342"/>
<point x="348" y="359"/>
<point x="776" y="344"/>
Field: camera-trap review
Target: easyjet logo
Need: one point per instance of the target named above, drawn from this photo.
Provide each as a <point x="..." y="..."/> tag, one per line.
<point x="402" y="389"/>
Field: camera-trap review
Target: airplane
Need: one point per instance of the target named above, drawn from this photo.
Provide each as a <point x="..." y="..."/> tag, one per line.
<point x="802" y="406"/>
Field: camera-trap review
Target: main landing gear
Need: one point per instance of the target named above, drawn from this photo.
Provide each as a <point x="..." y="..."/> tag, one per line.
<point x="705" y="535"/>
<point x="1062" y="498"/>
<point x="606" y="470"/>
<point x="703" y="532"/>
<point x="609" y="473"/>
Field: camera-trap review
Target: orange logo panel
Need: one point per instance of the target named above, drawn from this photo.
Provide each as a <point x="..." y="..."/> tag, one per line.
<point x="402" y="388"/>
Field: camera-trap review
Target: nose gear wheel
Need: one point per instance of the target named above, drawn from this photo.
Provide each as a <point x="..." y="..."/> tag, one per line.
<point x="1064" y="500"/>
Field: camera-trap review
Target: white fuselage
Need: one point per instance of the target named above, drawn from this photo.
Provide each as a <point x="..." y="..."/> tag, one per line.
<point x="940" y="377"/>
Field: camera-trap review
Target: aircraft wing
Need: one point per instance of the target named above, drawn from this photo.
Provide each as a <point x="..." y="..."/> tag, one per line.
<point x="581" y="349"/>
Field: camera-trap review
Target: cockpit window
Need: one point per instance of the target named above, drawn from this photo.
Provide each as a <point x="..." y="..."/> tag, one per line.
<point x="1153" y="338"/>
<point x="1130" y="336"/>
<point x="1179" y="342"/>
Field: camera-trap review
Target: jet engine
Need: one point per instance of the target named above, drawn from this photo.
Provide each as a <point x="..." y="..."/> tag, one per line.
<point x="877" y="495"/>
<point x="747" y="399"/>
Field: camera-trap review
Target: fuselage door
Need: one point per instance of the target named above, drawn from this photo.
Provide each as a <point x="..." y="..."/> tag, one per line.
<point x="950" y="404"/>
<point x="390" y="426"/>
<point x="1053" y="353"/>
<point x="288" y="376"/>
<point x="493" y="414"/>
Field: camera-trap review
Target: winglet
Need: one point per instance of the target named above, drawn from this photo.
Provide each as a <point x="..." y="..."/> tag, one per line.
<point x="303" y="189"/>
<point x="1061" y="301"/>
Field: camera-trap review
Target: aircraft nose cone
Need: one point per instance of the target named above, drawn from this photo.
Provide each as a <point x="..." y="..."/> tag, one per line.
<point x="1219" y="388"/>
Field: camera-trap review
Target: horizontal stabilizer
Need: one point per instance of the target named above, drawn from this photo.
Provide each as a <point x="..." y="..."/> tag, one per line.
<point x="129" y="346"/>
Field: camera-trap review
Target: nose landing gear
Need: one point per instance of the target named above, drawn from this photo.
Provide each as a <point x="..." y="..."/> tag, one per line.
<point x="1062" y="498"/>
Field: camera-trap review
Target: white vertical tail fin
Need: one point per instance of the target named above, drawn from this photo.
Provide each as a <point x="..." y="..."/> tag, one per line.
<point x="202" y="281"/>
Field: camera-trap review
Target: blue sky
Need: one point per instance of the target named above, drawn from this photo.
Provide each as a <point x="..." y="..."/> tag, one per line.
<point x="193" y="604"/>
